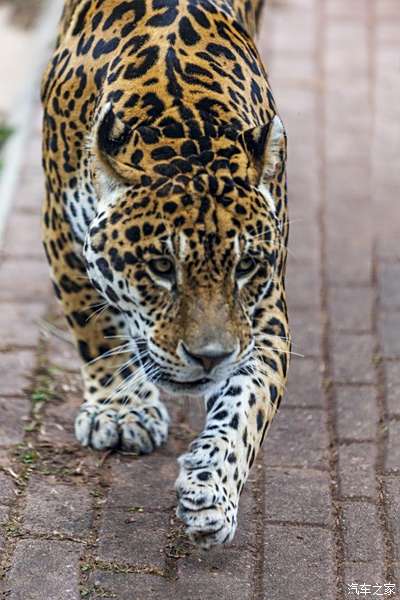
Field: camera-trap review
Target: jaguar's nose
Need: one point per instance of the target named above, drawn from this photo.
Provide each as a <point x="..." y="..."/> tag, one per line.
<point x="208" y="357"/>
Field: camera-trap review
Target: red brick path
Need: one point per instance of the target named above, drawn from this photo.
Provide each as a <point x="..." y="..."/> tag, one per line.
<point x="322" y="507"/>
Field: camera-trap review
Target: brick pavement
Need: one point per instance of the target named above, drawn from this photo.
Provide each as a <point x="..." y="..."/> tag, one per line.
<point x="322" y="505"/>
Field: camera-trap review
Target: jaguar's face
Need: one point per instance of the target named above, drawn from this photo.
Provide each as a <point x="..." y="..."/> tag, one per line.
<point x="187" y="277"/>
<point x="186" y="266"/>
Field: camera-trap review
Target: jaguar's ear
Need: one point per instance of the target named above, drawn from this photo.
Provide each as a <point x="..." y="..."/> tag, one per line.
<point x="111" y="146"/>
<point x="266" y="148"/>
<point x="111" y="133"/>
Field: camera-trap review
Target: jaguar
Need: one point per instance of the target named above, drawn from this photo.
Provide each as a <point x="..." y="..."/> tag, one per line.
<point x="165" y="227"/>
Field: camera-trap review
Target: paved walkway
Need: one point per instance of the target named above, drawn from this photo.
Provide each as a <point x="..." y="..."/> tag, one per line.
<point x="322" y="508"/>
<point x="18" y="39"/>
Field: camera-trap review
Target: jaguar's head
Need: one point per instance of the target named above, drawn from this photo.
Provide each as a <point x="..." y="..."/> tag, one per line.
<point x="187" y="243"/>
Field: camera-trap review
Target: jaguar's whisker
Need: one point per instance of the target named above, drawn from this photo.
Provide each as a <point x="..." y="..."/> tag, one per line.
<point x="122" y="349"/>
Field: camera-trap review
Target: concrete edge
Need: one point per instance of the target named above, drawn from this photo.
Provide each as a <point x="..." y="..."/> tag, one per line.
<point x="13" y="153"/>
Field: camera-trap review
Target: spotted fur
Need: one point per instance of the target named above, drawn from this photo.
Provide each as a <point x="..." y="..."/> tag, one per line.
<point x="165" y="227"/>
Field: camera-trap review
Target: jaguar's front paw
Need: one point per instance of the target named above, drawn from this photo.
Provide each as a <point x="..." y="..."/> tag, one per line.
<point x="139" y="429"/>
<point x="206" y="505"/>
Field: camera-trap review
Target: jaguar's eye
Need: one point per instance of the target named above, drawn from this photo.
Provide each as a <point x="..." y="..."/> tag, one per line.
<point x="162" y="267"/>
<point x="245" y="267"/>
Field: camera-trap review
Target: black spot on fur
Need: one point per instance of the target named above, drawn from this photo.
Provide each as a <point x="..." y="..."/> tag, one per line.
<point x="187" y="33"/>
<point x="80" y="22"/>
<point x="133" y="234"/>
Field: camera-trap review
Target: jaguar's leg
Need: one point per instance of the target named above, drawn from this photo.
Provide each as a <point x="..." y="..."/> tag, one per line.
<point x="215" y="469"/>
<point x="121" y="406"/>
